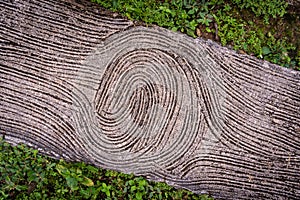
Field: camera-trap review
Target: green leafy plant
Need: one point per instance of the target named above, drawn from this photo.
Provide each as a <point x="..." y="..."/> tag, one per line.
<point x="276" y="51"/>
<point x="176" y="15"/>
<point x="187" y="15"/>
<point x="246" y="36"/>
<point x="265" y="8"/>
<point x="24" y="174"/>
<point x="230" y="30"/>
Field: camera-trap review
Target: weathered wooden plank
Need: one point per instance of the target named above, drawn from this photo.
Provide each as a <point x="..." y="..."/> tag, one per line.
<point x="81" y="83"/>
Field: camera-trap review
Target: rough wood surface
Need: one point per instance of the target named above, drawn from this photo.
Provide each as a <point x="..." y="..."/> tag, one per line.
<point x="293" y="2"/>
<point x="81" y="83"/>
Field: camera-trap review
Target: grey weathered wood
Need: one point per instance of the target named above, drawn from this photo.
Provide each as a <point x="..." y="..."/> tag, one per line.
<point x="81" y="83"/>
<point x="293" y="2"/>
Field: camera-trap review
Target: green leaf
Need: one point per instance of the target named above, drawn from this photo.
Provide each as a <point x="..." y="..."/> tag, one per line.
<point x="143" y="183"/>
<point x="191" y="12"/>
<point x="131" y="182"/>
<point x="87" y="182"/>
<point x="92" y="169"/>
<point x="35" y="152"/>
<point x="32" y="176"/>
<point x="208" y="30"/>
<point x="139" y="196"/>
<point x="72" y="183"/>
<point x="106" y="189"/>
<point x="85" y="193"/>
<point x="174" y="28"/>
<point x="50" y="166"/>
<point x="61" y="169"/>
<point x="266" y="50"/>
<point x="191" y="33"/>
<point x="132" y="189"/>
<point x="21" y="187"/>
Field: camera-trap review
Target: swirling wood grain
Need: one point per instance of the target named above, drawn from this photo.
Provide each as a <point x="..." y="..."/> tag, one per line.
<point x="84" y="84"/>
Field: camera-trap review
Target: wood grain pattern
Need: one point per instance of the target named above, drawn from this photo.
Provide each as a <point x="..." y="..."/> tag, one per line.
<point x="84" y="84"/>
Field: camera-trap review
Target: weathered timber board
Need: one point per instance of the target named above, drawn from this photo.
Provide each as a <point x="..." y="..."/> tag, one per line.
<point x="81" y="83"/>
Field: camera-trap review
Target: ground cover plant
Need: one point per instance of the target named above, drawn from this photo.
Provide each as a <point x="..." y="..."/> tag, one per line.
<point x="267" y="29"/>
<point x="25" y="174"/>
